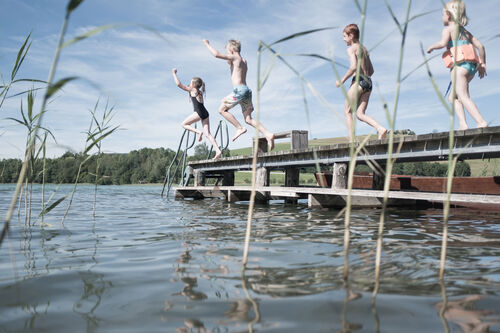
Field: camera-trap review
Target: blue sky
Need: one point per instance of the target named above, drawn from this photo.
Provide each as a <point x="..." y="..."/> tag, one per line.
<point x="132" y="66"/>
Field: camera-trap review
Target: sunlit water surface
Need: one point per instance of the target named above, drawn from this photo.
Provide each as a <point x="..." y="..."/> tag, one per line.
<point x="147" y="264"/>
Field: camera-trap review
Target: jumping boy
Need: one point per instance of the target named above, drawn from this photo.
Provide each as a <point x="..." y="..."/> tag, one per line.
<point x="362" y="90"/>
<point x="241" y="93"/>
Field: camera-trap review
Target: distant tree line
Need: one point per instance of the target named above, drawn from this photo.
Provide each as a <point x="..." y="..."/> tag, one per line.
<point x="146" y="165"/>
<point x="149" y="165"/>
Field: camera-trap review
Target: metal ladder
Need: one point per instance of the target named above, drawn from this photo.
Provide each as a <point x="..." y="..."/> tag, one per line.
<point x="180" y="158"/>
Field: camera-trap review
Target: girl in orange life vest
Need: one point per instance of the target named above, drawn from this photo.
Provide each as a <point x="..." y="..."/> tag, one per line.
<point x="454" y="19"/>
<point x="196" y="89"/>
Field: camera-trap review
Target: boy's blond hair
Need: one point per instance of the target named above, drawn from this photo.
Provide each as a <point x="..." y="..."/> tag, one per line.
<point x="234" y="45"/>
<point x="456" y="10"/>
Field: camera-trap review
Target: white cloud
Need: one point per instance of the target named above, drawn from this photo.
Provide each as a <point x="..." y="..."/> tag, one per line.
<point x="133" y="66"/>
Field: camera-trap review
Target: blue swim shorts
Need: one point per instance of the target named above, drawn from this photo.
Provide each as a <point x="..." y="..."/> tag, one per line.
<point x="241" y="95"/>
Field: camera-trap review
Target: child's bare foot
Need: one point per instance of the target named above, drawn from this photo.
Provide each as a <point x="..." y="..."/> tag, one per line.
<point x="382" y="134"/>
<point x="463" y="128"/>
<point x="270" y="142"/>
<point x="239" y="132"/>
<point x="217" y="156"/>
<point x="481" y="125"/>
<point x="200" y="136"/>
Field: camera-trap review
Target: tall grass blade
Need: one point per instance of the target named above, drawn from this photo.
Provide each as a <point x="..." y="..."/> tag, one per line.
<point x="91" y="33"/>
<point x="395" y="19"/>
<point x="300" y="34"/>
<point x="390" y="162"/>
<point x="54" y="88"/>
<point x="20" y="57"/>
<point x="31" y="143"/>
<point x="72" y="5"/>
<point x="56" y="203"/>
<point x="99" y="139"/>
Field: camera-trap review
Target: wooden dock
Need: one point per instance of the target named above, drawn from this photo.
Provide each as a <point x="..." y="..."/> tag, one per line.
<point x="481" y="143"/>
<point x="336" y="198"/>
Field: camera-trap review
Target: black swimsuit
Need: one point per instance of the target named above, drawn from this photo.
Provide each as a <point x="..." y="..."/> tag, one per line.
<point x="364" y="81"/>
<point x="199" y="108"/>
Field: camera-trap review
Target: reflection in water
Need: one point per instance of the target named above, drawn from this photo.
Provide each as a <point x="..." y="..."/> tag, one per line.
<point x="189" y="282"/>
<point x="466" y="314"/>
<point x="349" y="297"/>
<point x="192" y="325"/>
<point x="181" y="262"/>
<point x="242" y="308"/>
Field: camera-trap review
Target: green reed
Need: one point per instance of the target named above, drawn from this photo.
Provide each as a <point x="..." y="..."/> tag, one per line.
<point x="51" y="89"/>
<point x="98" y="130"/>
<point x="261" y="80"/>
<point x="29" y="120"/>
<point x="403" y="30"/>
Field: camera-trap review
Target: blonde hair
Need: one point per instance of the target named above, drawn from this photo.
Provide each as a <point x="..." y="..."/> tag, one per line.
<point x="234" y="45"/>
<point x="456" y="10"/>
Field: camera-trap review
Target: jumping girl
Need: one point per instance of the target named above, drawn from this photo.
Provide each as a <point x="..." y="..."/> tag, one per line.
<point x="461" y="44"/>
<point x="196" y="89"/>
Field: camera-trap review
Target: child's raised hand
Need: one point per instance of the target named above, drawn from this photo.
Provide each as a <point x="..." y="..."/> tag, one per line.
<point x="429" y="50"/>
<point x="174" y="70"/>
<point x="206" y="42"/>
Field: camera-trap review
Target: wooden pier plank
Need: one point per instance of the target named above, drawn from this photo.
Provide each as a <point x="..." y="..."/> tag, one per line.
<point x="304" y="191"/>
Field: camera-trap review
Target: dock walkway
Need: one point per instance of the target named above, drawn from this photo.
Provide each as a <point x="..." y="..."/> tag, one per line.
<point x="480" y="143"/>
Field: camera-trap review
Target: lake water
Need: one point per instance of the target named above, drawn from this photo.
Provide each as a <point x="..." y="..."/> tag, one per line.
<point x="150" y="264"/>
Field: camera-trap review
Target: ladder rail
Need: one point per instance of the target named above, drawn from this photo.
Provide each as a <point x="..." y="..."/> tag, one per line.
<point x="169" y="177"/>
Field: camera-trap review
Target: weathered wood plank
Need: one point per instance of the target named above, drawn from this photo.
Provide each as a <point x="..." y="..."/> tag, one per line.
<point x="408" y="195"/>
<point x="470" y="144"/>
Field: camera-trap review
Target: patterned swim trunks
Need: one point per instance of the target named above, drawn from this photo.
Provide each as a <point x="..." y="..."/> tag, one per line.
<point x="241" y="95"/>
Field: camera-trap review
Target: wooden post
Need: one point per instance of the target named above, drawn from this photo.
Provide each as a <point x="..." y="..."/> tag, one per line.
<point x="339" y="176"/>
<point x="292" y="176"/>
<point x="231" y="196"/>
<point x="261" y="146"/>
<point x="299" y="140"/>
<point x="378" y="181"/>
<point x="199" y="178"/>
<point x="262" y="177"/>
<point x="228" y="179"/>
<point x="324" y="201"/>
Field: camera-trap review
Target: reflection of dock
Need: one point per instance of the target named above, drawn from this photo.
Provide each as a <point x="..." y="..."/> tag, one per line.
<point x="470" y="144"/>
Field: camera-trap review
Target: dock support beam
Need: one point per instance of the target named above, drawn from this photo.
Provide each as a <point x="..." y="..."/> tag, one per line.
<point x="378" y="180"/>
<point x="199" y="178"/>
<point x="262" y="177"/>
<point x="228" y="178"/>
<point x="339" y="176"/>
<point x="292" y="176"/>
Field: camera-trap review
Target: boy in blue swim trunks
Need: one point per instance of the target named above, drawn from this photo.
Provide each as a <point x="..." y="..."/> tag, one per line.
<point x="241" y="93"/>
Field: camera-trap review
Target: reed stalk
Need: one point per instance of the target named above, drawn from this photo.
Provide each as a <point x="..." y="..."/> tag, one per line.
<point x="261" y="80"/>
<point x="442" y="311"/>
<point x="451" y="160"/>
<point x="255" y="306"/>
<point x="95" y="135"/>
<point x="389" y="165"/>
<point x="51" y="89"/>
<point x="254" y="165"/>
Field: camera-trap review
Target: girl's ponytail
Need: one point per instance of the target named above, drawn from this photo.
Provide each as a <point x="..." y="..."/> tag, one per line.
<point x="202" y="88"/>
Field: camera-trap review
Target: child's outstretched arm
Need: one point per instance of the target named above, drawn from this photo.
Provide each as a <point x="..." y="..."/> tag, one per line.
<point x="216" y="53"/>
<point x="178" y="82"/>
<point x="445" y="38"/>
<point x="353" y="63"/>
